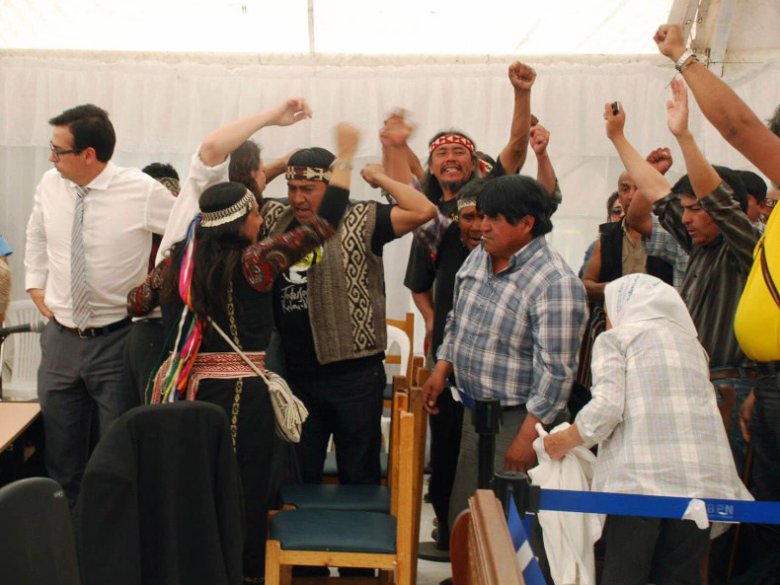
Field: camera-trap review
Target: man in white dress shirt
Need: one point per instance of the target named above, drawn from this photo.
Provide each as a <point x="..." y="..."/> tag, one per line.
<point x="88" y="243"/>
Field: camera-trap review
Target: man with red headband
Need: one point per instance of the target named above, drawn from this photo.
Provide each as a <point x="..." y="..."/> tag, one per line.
<point x="453" y="161"/>
<point x="455" y="168"/>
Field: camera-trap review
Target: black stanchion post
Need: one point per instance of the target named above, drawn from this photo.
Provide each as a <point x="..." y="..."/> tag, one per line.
<point x="517" y="485"/>
<point x="486" y="417"/>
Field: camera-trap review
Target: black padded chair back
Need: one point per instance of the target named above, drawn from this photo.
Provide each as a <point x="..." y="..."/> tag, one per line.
<point x="160" y="501"/>
<point x="37" y="543"/>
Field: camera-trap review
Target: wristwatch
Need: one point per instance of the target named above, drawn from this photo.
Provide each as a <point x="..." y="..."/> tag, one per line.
<point x="687" y="54"/>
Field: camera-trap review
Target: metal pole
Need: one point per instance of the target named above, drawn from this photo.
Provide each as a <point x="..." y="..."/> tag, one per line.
<point x="487" y="422"/>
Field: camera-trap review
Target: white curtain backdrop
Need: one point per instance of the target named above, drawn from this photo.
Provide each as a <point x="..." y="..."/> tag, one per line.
<point x="162" y="106"/>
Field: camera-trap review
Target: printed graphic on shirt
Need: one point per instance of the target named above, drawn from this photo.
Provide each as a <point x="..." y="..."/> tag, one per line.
<point x="294" y="295"/>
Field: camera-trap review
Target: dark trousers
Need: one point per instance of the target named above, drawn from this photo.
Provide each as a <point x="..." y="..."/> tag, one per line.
<point x="347" y="405"/>
<point x="78" y="377"/>
<point x="445" y="447"/>
<point x="652" y="550"/>
<point x="764" y="566"/>
<point x="142" y="353"/>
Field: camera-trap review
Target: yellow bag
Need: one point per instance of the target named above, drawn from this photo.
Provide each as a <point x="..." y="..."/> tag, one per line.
<point x="757" y="321"/>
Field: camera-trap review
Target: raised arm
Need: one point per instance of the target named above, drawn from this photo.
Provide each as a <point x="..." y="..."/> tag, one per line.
<point x="513" y="155"/>
<point x="704" y="179"/>
<point x="209" y="164"/>
<point x="218" y="144"/>
<point x="395" y="153"/>
<point x="413" y="208"/>
<point x="277" y="167"/>
<point x="545" y="173"/>
<point x="723" y="108"/>
<point x="641" y="207"/>
<point x="650" y="183"/>
<point x="414" y="164"/>
<point x="261" y="262"/>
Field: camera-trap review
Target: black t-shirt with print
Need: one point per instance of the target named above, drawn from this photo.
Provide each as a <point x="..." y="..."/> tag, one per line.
<point x="291" y="303"/>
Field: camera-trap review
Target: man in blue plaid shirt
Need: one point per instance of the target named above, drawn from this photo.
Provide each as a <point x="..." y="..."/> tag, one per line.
<point x="515" y="328"/>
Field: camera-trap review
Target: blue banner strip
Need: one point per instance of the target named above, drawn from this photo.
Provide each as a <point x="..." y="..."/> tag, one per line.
<point x="657" y="506"/>
<point x="532" y="573"/>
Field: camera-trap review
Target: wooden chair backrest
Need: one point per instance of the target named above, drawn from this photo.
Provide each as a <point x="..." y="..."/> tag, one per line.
<point x="400" y="406"/>
<point x="481" y="548"/>
<point x="420" y="430"/>
<point x="405" y="492"/>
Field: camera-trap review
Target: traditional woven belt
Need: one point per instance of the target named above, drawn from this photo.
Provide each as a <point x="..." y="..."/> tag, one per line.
<point x="210" y="365"/>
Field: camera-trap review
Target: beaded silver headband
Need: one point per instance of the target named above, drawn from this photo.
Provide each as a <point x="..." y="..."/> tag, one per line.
<point x="466" y="201"/>
<point x="307" y="173"/>
<point x="236" y="211"/>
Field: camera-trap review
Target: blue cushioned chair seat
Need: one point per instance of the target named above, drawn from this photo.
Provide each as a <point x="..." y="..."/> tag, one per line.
<point x="365" y="498"/>
<point x="334" y="531"/>
<point x="330" y="467"/>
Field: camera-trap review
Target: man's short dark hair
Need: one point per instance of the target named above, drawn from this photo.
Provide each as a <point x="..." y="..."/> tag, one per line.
<point x="158" y="170"/>
<point x="90" y="127"/>
<point x="730" y="177"/>
<point x="312" y="157"/>
<point x="754" y="185"/>
<point x="514" y="197"/>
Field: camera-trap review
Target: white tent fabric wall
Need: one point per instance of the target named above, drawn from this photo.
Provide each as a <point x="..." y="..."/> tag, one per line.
<point x="161" y="109"/>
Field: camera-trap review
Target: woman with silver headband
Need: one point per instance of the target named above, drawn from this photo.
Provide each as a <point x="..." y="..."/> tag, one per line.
<point x="222" y="275"/>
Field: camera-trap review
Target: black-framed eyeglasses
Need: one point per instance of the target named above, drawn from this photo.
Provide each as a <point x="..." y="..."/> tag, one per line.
<point x="58" y="152"/>
<point x="616" y="211"/>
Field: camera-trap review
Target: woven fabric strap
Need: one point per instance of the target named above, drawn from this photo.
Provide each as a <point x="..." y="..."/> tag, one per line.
<point x="219" y="365"/>
<point x="289" y="411"/>
<point x="770" y="284"/>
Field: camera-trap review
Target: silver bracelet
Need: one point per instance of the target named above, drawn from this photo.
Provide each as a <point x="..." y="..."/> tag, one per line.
<point x="683" y="59"/>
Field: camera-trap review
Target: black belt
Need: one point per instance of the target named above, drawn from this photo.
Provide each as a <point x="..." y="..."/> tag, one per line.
<point x="94" y="331"/>
<point x="748" y="373"/>
<point x="513" y="407"/>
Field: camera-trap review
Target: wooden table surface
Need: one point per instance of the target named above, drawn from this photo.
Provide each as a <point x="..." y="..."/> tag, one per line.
<point x="15" y="417"/>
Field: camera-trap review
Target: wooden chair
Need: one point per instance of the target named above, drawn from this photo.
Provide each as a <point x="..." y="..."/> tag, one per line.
<point x="420" y="430"/>
<point x="480" y="545"/>
<point x="352" y="539"/>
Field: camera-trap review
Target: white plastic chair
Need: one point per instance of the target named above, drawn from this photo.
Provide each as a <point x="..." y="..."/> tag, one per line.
<point x="23" y="351"/>
<point x="397" y="336"/>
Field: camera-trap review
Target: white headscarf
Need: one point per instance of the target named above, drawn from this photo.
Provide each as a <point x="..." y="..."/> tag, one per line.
<point x="638" y="298"/>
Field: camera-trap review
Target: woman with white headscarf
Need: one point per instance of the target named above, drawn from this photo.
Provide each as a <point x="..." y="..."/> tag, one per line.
<point x="655" y="419"/>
